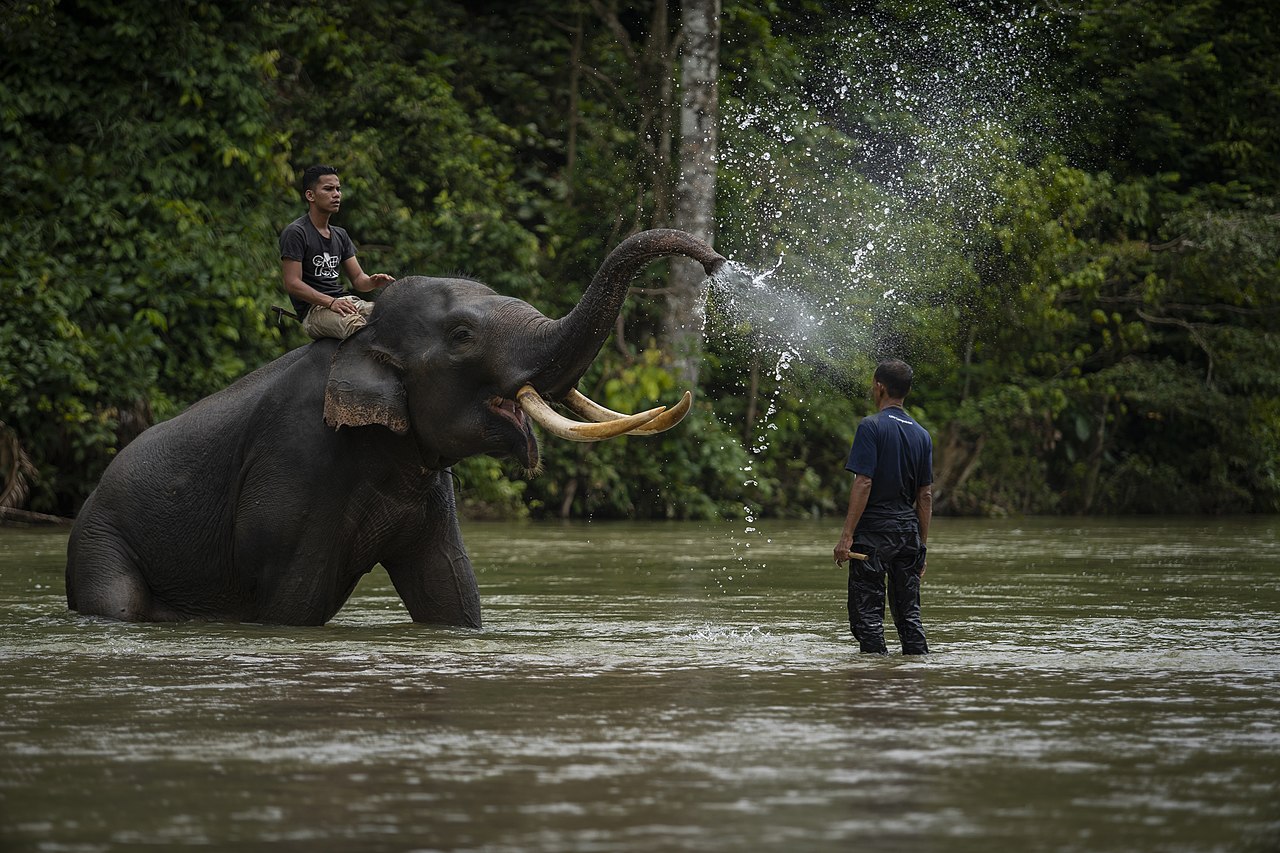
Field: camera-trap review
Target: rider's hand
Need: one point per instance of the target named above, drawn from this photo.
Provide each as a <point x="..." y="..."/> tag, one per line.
<point x="342" y="305"/>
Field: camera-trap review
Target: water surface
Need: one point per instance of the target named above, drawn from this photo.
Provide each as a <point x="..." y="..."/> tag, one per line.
<point x="1094" y="686"/>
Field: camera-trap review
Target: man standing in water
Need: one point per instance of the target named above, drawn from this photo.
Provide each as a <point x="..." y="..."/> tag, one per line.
<point x="311" y="253"/>
<point x="887" y="524"/>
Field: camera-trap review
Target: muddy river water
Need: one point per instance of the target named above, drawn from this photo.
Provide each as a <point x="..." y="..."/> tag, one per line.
<point x="1100" y="685"/>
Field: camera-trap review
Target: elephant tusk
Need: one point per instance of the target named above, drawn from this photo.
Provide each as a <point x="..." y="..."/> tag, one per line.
<point x="556" y="424"/>
<point x="593" y="411"/>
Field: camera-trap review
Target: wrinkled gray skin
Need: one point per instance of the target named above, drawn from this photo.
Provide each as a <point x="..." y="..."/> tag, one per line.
<point x="267" y="501"/>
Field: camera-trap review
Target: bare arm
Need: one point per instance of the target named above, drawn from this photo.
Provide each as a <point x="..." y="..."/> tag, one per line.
<point x="859" y="492"/>
<point x="924" y="513"/>
<point x="291" y="272"/>
<point x="362" y="281"/>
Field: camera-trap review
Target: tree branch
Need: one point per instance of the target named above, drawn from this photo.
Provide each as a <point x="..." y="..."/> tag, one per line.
<point x="1132" y="298"/>
<point x="1192" y="331"/>
<point x="610" y="17"/>
<point x="1175" y="243"/>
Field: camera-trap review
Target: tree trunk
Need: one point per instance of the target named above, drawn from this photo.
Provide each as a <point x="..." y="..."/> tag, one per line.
<point x="657" y="126"/>
<point x="571" y="144"/>
<point x="753" y="391"/>
<point x="696" y="191"/>
<point x="1096" y="457"/>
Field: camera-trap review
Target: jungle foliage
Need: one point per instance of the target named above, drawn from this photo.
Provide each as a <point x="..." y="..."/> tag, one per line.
<point x="1099" y="335"/>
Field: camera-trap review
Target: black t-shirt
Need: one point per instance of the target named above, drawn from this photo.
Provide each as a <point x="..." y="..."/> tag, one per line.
<point x="897" y="454"/>
<point x="321" y="258"/>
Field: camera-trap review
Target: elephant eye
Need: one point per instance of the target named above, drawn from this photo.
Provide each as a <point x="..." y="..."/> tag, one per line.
<point x="461" y="335"/>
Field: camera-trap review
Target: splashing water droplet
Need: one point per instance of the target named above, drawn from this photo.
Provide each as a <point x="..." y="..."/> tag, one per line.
<point x="868" y="224"/>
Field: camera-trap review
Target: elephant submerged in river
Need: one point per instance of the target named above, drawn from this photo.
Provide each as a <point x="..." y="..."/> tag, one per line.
<point x="267" y="501"/>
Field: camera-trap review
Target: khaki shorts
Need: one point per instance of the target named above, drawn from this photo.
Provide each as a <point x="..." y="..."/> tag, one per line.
<point x="326" y="323"/>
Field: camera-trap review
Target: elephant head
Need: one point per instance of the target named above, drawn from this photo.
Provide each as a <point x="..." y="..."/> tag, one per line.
<point x="463" y="369"/>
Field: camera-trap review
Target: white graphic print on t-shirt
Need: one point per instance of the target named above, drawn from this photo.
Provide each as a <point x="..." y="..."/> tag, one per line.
<point x="324" y="265"/>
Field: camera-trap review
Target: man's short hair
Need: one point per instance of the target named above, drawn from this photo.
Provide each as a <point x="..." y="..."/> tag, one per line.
<point x="895" y="376"/>
<point x="312" y="176"/>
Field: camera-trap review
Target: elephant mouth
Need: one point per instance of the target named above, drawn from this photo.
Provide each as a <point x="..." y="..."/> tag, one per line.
<point x="509" y="410"/>
<point x="526" y="448"/>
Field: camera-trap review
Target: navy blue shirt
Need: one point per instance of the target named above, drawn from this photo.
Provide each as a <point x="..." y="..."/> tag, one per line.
<point x="896" y="453"/>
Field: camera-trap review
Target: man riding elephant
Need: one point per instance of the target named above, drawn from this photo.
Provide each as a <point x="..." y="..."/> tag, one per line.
<point x="313" y="253"/>
<point x="267" y="501"/>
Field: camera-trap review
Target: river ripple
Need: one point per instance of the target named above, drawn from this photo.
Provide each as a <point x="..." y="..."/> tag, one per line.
<point x="1094" y="686"/>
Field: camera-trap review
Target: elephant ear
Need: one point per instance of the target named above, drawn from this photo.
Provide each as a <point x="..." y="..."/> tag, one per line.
<point x="365" y="387"/>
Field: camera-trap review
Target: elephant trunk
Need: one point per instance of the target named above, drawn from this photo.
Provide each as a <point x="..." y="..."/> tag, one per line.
<point x="572" y="342"/>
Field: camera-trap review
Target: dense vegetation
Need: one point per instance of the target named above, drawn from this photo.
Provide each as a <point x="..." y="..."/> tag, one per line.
<point x="1090" y="298"/>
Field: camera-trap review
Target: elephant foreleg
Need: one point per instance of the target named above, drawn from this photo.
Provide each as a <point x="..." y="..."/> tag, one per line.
<point x="435" y="579"/>
<point x="440" y="589"/>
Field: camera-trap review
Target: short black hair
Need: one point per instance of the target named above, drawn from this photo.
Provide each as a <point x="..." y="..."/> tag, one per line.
<point x="312" y="176"/>
<point x="895" y="376"/>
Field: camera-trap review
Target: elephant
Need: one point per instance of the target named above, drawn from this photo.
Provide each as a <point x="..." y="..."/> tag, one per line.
<point x="267" y="501"/>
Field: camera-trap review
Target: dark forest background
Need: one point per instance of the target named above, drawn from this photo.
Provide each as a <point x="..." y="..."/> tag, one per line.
<point x="1091" y="303"/>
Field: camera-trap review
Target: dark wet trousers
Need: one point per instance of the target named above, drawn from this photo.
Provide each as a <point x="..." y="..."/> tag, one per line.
<point x="893" y="558"/>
